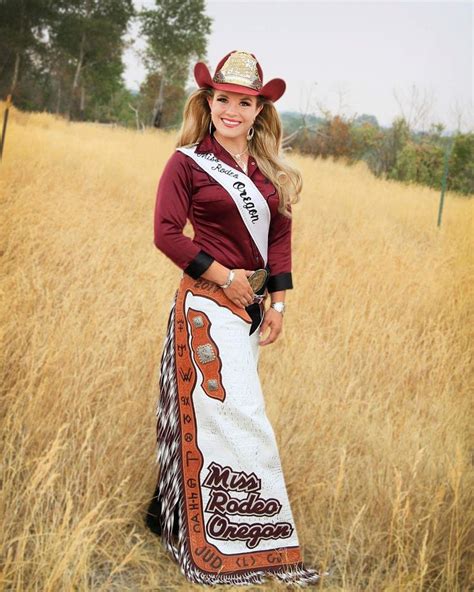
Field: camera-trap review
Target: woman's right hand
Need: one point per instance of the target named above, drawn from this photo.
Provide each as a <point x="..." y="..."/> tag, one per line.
<point x="240" y="291"/>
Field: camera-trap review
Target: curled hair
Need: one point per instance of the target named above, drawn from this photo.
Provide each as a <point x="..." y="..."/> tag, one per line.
<point x="264" y="147"/>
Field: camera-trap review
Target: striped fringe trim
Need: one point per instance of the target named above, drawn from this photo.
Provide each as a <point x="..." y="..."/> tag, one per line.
<point x="171" y="486"/>
<point x="168" y="438"/>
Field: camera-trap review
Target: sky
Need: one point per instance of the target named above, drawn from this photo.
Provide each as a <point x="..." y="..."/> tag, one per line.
<point x="382" y="58"/>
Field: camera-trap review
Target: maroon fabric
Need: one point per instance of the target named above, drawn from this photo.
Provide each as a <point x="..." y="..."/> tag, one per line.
<point x="186" y="191"/>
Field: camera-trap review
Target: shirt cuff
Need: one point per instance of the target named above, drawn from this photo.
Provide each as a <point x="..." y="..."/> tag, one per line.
<point x="280" y="281"/>
<point x="199" y="264"/>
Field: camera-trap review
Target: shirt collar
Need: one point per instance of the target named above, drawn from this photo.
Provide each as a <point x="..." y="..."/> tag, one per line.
<point x="210" y="144"/>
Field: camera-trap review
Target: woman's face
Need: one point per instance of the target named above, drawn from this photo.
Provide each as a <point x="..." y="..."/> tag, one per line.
<point x="233" y="113"/>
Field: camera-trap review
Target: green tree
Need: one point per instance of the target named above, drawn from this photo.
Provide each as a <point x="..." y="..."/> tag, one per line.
<point x="419" y="163"/>
<point x="118" y="109"/>
<point x="88" y="36"/>
<point x="22" y="23"/>
<point x="461" y="164"/>
<point x="174" y="97"/>
<point x="364" y="139"/>
<point x="176" y="32"/>
<point x="394" y="141"/>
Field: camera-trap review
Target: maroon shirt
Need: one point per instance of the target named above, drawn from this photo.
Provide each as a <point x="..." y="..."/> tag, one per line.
<point x="187" y="191"/>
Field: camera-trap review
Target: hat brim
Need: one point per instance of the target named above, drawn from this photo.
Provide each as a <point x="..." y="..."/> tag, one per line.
<point x="272" y="90"/>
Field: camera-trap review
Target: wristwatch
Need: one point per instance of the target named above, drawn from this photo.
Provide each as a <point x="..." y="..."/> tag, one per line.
<point x="279" y="306"/>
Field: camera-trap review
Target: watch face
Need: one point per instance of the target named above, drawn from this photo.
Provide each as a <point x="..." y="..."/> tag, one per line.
<point x="279" y="306"/>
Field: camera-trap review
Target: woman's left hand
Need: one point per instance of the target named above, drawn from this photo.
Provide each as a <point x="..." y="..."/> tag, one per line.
<point x="272" y="320"/>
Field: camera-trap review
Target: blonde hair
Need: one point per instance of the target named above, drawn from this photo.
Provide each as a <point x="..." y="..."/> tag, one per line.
<point x="265" y="146"/>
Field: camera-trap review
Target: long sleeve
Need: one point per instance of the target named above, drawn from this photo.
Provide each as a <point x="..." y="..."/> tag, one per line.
<point x="279" y="253"/>
<point x="173" y="203"/>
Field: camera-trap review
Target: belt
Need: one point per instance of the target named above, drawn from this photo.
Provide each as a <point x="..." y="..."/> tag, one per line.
<point x="259" y="294"/>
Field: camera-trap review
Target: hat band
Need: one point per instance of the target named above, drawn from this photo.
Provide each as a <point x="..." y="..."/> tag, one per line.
<point x="221" y="78"/>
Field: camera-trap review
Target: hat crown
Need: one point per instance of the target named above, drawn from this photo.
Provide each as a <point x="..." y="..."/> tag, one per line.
<point x="241" y="68"/>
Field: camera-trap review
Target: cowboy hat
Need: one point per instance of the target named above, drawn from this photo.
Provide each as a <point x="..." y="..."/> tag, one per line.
<point x="240" y="72"/>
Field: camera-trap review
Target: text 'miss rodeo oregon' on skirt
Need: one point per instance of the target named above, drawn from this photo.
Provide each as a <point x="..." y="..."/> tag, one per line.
<point x="219" y="467"/>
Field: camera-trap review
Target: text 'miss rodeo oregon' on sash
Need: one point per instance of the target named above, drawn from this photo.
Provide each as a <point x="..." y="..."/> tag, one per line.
<point x="250" y="203"/>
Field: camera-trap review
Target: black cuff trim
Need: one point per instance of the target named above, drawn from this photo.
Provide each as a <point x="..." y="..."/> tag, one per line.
<point x="280" y="281"/>
<point x="199" y="264"/>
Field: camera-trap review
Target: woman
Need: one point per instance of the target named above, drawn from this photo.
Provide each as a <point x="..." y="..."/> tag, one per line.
<point x="220" y="503"/>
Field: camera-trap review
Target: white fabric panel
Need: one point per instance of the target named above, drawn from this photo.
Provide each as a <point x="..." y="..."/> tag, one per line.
<point x="237" y="432"/>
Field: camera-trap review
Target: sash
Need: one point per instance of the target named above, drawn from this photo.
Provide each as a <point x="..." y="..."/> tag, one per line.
<point x="250" y="203"/>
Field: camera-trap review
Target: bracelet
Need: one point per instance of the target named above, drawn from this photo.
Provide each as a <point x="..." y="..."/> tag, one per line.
<point x="230" y="277"/>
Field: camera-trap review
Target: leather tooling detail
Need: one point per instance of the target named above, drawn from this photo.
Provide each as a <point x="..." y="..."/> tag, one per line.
<point x="203" y="553"/>
<point x="198" y="321"/>
<point x="212" y="384"/>
<point x="206" y="354"/>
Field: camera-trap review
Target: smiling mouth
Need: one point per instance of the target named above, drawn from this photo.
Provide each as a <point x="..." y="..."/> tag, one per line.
<point x="230" y="122"/>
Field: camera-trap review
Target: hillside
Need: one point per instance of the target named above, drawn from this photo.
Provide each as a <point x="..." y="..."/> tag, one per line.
<point x="367" y="388"/>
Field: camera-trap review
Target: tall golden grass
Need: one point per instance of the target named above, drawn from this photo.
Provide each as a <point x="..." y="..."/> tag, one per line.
<point x="369" y="388"/>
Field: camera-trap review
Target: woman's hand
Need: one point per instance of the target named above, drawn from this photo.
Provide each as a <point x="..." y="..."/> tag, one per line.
<point x="240" y="291"/>
<point x="272" y="320"/>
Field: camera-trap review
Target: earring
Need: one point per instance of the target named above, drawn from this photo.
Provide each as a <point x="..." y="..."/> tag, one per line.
<point x="210" y="127"/>
<point x="250" y="133"/>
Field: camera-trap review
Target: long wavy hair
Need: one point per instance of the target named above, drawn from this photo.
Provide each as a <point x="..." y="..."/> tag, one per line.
<point x="265" y="145"/>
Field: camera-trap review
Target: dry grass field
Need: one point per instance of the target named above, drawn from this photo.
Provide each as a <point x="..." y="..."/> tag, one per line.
<point x="369" y="388"/>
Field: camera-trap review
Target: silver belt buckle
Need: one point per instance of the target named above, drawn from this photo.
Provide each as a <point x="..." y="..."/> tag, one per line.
<point x="257" y="279"/>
